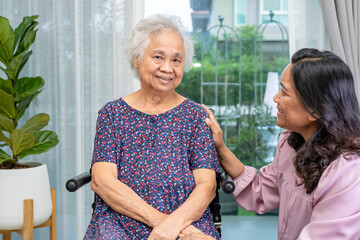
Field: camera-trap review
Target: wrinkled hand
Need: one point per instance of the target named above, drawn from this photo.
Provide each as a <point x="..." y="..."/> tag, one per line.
<point x="189" y="230"/>
<point x="215" y="129"/>
<point x="192" y="233"/>
<point x="197" y="236"/>
<point x="167" y="229"/>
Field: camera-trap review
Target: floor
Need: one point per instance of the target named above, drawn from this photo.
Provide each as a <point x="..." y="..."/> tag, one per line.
<point x="249" y="227"/>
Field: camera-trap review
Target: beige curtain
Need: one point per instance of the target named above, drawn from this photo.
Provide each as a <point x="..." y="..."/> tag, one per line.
<point x="342" y="23"/>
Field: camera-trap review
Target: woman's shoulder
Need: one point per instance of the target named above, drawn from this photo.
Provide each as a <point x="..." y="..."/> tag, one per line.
<point x="346" y="163"/>
<point x="284" y="135"/>
<point x="111" y="105"/>
<point x="341" y="175"/>
<point x="114" y="109"/>
<point x="193" y="108"/>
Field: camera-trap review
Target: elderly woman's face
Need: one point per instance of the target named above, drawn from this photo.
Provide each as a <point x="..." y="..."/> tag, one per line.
<point x="162" y="66"/>
<point x="291" y="113"/>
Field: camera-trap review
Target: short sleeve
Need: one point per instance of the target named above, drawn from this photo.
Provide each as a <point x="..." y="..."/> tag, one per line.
<point x="105" y="146"/>
<point x="202" y="151"/>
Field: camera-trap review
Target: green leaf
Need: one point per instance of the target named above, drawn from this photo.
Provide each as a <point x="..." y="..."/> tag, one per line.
<point x="21" y="141"/>
<point x="23" y="62"/>
<point x="26" y="42"/>
<point x="7" y="103"/>
<point x="4" y="138"/>
<point x="6" y="86"/>
<point x="45" y="140"/>
<point x="6" y="124"/>
<point x="7" y="160"/>
<point x="4" y="155"/>
<point x="12" y="70"/>
<point x="27" y="24"/>
<point x="26" y="87"/>
<point x="7" y="37"/>
<point x="24" y="104"/>
<point x="36" y="123"/>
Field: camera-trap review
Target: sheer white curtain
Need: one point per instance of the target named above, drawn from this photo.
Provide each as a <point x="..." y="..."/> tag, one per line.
<point x="306" y="26"/>
<point x="80" y="53"/>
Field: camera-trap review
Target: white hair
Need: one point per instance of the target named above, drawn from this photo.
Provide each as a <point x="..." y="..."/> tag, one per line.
<point x="152" y="25"/>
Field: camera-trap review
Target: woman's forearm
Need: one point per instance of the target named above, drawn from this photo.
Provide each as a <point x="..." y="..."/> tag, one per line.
<point x="192" y="209"/>
<point x="229" y="162"/>
<point x="121" y="198"/>
<point x="198" y="201"/>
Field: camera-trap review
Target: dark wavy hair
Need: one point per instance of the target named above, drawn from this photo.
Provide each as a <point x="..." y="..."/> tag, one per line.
<point x="325" y="87"/>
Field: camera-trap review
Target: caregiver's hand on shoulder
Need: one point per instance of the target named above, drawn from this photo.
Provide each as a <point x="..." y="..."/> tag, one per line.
<point x="215" y="129"/>
<point x="229" y="162"/>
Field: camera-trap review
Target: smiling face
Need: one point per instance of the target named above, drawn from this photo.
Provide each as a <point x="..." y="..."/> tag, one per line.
<point x="162" y="66"/>
<point x="291" y="113"/>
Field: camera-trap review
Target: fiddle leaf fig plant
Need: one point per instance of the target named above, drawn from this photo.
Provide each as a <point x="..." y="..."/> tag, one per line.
<point x="16" y="94"/>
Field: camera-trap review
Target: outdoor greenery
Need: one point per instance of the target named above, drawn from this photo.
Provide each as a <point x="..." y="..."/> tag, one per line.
<point x="16" y="94"/>
<point x="247" y="134"/>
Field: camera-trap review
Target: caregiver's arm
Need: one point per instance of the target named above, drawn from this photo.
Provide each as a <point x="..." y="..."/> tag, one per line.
<point x="229" y="162"/>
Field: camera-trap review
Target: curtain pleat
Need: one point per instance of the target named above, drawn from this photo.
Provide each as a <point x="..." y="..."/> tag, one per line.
<point x="80" y="53"/>
<point x="342" y="23"/>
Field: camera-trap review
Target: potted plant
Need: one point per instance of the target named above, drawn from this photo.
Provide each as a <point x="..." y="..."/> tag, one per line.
<point x="18" y="139"/>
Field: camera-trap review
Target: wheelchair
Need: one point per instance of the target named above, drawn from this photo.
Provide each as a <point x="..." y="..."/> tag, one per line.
<point x="223" y="180"/>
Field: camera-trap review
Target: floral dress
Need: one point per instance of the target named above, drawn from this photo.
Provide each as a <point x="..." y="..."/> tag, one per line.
<point x="155" y="156"/>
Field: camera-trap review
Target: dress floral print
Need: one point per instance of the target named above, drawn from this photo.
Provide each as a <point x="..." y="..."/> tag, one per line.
<point x="155" y="156"/>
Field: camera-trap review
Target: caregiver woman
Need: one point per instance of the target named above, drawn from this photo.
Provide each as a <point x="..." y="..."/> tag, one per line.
<point x="314" y="178"/>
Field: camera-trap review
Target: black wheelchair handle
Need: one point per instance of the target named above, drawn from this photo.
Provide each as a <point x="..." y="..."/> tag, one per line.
<point x="73" y="184"/>
<point x="78" y="181"/>
<point x="227" y="184"/>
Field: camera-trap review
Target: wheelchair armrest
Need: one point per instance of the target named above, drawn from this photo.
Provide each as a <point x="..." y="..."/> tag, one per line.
<point x="226" y="183"/>
<point x="73" y="184"/>
<point x="78" y="181"/>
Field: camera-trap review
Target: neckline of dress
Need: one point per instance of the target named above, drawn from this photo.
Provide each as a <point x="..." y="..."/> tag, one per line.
<point x="152" y="115"/>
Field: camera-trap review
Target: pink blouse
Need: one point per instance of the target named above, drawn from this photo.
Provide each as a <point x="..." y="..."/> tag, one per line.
<point x="331" y="211"/>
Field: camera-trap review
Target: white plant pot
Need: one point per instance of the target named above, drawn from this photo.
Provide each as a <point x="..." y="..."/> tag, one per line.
<point x="19" y="184"/>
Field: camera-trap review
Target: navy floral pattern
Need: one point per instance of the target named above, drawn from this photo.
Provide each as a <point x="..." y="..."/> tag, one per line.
<point x="155" y="155"/>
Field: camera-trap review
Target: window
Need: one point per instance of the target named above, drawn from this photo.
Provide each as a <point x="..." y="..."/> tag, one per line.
<point x="278" y="7"/>
<point x="241" y="8"/>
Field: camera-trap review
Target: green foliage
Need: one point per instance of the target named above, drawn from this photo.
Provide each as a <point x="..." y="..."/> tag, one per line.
<point x="252" y="146"/>
<point x="249" y="36"/>
<point x="16" y="94"/>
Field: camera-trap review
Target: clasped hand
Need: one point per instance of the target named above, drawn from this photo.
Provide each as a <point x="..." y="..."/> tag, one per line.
<point x="170" y="229"/>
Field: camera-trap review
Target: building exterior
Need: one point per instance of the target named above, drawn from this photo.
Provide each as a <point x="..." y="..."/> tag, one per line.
<point x="237" y="13"/>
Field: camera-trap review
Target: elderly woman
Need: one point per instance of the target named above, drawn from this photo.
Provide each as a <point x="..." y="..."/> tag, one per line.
<point x="314" y="178"/>
<point x="154" y="163"/>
